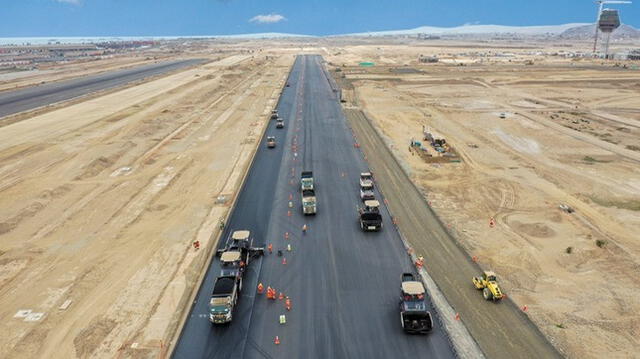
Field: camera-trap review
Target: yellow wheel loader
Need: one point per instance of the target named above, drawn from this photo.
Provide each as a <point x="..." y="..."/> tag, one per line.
<point x="489" y="286"/>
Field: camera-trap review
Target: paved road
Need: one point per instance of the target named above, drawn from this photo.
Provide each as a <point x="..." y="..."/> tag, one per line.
<point x="343" y="283"/>
<point x="501" y="330"/>
<point x="12" y="102"/>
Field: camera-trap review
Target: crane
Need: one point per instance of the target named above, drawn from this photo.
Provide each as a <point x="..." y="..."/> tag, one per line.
<point x="600" y="6"/>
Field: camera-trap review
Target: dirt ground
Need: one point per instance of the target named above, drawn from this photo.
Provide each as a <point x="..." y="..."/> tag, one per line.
<point x="571" y="134"/>
<point x="101" y="201"/>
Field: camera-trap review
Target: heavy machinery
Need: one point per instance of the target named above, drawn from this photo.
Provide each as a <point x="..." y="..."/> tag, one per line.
<point x="306" y="180"/>
<point x="224" y="298"/>
<point x="414" y="316"/>
<point x="238" y="250"/>
<point x="366" y="180"/>
<point x="309" y="205"/>
<point x="370" y="217"/>
<point x="241" y="241"/>
<point x="271" y="142"/>
<point x="489" y="286"/>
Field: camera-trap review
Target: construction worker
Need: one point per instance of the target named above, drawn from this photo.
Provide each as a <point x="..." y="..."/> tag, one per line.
<point x="196" y="245"/>
<point x="270" y="248"/>
<point x="304" y="228"/>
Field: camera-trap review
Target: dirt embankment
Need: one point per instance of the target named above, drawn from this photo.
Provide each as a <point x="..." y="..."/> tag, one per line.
<point x="101" y="200"/>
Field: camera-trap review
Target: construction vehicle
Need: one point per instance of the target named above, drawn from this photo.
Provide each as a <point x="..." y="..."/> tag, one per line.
<point x="306" y="180"/>
<point x="280" y="123"/>
<point x="224" y="298"/>
<point x="271" y="142"/>
<point x="370" y="217"/>
<point x="489" y="286"/>
<point x="366" y="193"/>
<point x="366" y="180"/>
<point x="242" y="242"/>
<point x="308" y="202"/>
<point x="414" y="316"/>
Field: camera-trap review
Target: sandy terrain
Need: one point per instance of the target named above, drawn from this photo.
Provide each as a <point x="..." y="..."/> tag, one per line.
<point x="571" y="135"/>
<point x="101" y="201"/>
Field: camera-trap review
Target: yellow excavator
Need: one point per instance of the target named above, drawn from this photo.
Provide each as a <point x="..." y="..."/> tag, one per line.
<point x="489" y="286"/>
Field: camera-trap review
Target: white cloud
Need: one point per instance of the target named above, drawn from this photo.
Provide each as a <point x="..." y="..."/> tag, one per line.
<point x="267" y="19"/>
<point x="74" y="2"/>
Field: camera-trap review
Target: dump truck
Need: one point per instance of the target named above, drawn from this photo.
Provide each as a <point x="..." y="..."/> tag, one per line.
<point x="366" y="180"/>
<point x="414" y="316"/>
<point x="309" y="202"/>
<point x="369" y="216"/>
<point x="306" y="180"/>
<point x="489" y="286"/>
<point x="224" y="298"/>
<point x="271" y="142"/>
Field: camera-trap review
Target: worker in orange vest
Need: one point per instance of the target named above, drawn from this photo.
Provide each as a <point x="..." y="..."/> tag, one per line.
<point x="270" y="248"/>
<point x="196" y="245"/>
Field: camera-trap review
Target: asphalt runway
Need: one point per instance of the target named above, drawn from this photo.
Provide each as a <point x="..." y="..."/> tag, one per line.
<point x="12" y="102"/>
<point x="343" y="283"/>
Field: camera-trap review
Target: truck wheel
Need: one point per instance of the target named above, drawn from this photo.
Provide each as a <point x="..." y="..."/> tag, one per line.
<point x="486" y="293"/>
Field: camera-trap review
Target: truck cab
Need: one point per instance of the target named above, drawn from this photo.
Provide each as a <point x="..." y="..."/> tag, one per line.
<point x="306" y="180"/>
<point x="366" y="193"/>
<point x="370" y="217"/>
<point x="309" y="205"/>
<point x="223" y="299"/>
<point x="414" y="316"/>
<point x="366" y="180"/>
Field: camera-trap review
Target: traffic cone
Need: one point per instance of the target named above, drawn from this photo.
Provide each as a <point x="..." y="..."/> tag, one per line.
<point x="260" y="288"/>
<point x="276" y="341"/>
<point x="270" y="248"/>
<point x="524" y="308"/>
<point x="457" y="316"/>
<point x="284" y="261"/>
<point x="287" y="304"/>
<point x="286" y="235"/>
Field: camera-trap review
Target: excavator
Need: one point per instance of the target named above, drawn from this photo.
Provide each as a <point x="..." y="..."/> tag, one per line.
<point x="489" y="286"/>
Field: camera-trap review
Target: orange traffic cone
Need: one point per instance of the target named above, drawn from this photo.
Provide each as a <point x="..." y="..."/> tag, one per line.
<point x="457" y="316"/>
<point x="270" y="248"/>
<point x="284" y="260"/>
<point x="287" y="304"/>
<point x="276" y="341"/>
<point x="286" y="235"/>
<point x="260" y="288"/>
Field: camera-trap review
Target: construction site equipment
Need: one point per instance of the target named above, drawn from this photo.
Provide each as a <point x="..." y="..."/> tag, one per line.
<point x="366" y="180"/>
<point x="223" y="299"/>
<point x="309" y="204"/>
<point x="414" y="316"/>
<point x="306" y="180"/>
<point x="489" y="286"/>
<point x="369" y="216"/>
<point x="271" y="142"/>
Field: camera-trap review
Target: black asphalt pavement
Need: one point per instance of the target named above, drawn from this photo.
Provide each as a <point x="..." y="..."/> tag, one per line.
<point x="343" y="283"/>
<point x="12" y="102"/>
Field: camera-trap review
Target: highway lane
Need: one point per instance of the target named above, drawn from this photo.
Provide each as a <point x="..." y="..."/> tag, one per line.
<point x="343" y="283"/>
<point x="12" y="102"/>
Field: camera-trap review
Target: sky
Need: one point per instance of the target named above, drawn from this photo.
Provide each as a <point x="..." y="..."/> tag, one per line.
<point x="42" y="18"/>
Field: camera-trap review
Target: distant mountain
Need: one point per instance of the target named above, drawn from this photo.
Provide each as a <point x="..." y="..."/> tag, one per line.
<point x="586" y="32"/>
<point x="477" y="30"/>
